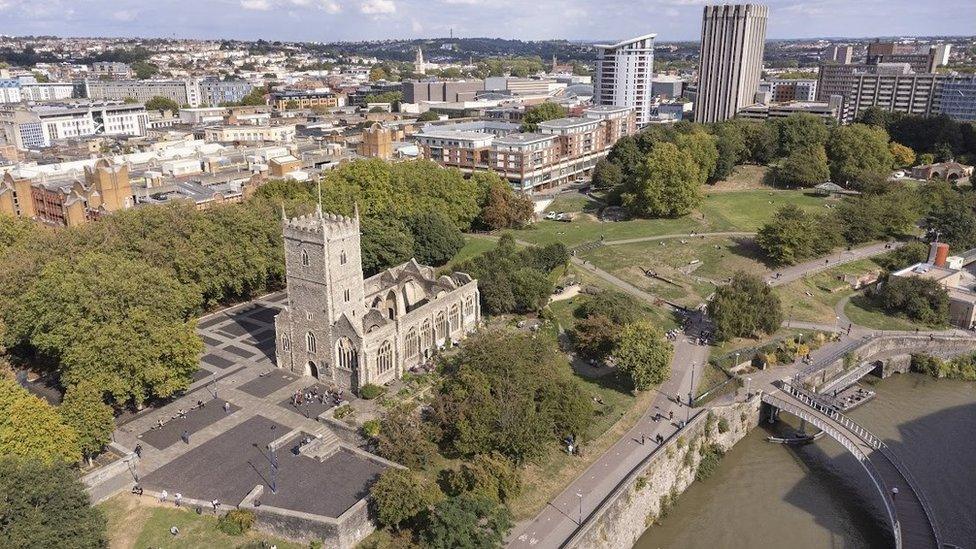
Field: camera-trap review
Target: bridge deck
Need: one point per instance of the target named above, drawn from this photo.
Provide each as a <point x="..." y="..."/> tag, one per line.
<point x="911" y="519"/>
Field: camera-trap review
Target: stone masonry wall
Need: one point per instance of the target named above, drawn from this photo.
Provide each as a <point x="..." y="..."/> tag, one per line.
<point x="638" y="501"/>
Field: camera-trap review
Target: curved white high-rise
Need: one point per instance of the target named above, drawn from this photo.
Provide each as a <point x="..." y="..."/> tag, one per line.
<point x="623" y="75"/>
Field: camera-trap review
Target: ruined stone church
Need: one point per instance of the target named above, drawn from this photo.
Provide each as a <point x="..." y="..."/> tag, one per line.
<point x="348" y="331"/>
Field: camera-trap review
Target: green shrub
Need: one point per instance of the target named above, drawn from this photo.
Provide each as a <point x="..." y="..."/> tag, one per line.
<point x="723" y="425"/>
<point x="343" y="411"/>
<point x="370" y="391"/>
<point x="371" y="428"/>
<point x="236" y="522"/>
<point x="641" y="483"/>
<point x="711" y="455"/>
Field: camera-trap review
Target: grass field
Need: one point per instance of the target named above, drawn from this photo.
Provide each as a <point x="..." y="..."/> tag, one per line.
<point x="473" y="245"/>
<point x="574" y="202"/>
<point x="813" y="298"/>
<point x="721" y="211"/>
<point x="692" y="267"/>
<point x="141" y="523"/>
<point x="864" y="313"/>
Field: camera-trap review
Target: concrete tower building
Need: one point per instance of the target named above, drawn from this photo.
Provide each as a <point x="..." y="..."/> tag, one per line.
<point x="733" y="39"/>
<point x="419" y="66"/>
<point x="623" y="75"/>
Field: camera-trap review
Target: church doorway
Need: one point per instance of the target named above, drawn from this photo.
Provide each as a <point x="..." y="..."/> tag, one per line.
<point x="311" y="369"/>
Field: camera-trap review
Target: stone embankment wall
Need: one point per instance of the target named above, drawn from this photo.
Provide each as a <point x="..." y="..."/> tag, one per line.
<point x="653" y="487"/>
<point x="892" y="352"/>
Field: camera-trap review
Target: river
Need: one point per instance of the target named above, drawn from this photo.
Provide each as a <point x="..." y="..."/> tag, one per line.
<point x="817" y="496"/>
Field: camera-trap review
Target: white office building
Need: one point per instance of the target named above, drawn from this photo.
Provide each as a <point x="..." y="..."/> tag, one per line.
<point x="623" y="75"/>
<point x="733" y="39"/>
<point x="35" y="126"/>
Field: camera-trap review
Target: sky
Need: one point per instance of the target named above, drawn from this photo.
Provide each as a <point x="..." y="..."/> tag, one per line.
<point x="335" y="20"/>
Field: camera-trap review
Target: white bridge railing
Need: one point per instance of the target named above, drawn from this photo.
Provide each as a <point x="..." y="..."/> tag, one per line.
<point x="817" y="403"/>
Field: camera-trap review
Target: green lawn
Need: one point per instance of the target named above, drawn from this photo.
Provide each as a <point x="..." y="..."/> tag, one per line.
<point x="813" y="298"/>
<point x="693" y="265"/>
<point x="571" y="203"/>
<point x="473" y="245"/>
<point x="139" y="523"/>
<point x="723" y="211"/>
<point x="864" y="313"/>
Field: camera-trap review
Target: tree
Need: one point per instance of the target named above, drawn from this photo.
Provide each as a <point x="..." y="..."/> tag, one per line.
<point x="32" y="429"/>
<point x="746" y="307"/>
<point x="920" y="299"/>
<point x="292" y="104"/>
<point x="531" y="289"/>
<point x="84" y="411"/>
<point x="399" y="495"/>
<point x="254" y="98"/>
<point x="505" y="277"/>
<point x="804" y="167"/>
<point x="876" y="216"/>
<point x="904" y="156"/>
<point x="761" y="140"/>
<point x="45" y="506"/>
<point x="384" y="244"/>
<point x="607" y="175"/>
<point x="463" y="521"/>
<point x="144" y="70"/>
<point x="701" y="146"/>
<point x="436" y="239"/>
<point x="627" y="156"/>
<point x="159" y="103"/>
<point x="668" y="185"/>
<point x="954" y="222"/>
<point x="858" y="152"/>
<point x="13" y="230"/>
<point x="800" y="131"/>
<point x="541" y="113"/>
<point x="616" y="306"/>
<point x="377" y="73"/>
<point x="595" y="336"/>
<point x="511" y="393"/>
<point x="405" y="438"/>
<point x="490" y="476"/>
<point x="731" y="147"/>
<point x="501" y="207"/>
<point x="794" y="235"/>
<point x="429" y="116"/>
<point x="644" y="355"/>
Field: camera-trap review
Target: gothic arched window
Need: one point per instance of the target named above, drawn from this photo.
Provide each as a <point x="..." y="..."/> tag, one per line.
<point x="455" y="318"/>
<point x="347" y="356"/>
<point x="426" y="339"/>
<point x="310" y="342"/>
<point x="440" y="326"/>
<point x="411" y="343"/>
<point x="384" y="358"/>
<point x="305" y="261"/>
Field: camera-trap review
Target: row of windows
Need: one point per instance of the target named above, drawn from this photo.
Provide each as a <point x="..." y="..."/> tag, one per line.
<point x="306" y="261"/>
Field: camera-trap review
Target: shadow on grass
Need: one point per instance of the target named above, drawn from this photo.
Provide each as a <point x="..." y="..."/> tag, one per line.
<point x="747" y="248"/>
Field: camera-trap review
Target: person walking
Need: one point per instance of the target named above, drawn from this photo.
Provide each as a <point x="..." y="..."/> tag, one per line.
<point x="163" y="496"/>
<point x="671" y="415"/>
<point x="894" y="493"/>
<point x="138" y="451"/>
<point x="185" y="436"/>
<point x="178" y="499"/>
<point x="226" y="407"/>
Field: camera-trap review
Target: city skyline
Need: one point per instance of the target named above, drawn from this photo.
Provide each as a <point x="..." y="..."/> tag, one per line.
<point x="351" y="20"/>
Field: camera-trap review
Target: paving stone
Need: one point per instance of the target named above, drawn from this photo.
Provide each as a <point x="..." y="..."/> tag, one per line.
<point x="195" y="420"/>
<point x="217" y="361"/>
<point x="243" y="353"/>
<point x="265" y="385"/>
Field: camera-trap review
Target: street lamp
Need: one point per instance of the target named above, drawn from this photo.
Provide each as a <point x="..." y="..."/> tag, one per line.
<point x="272" y="448"/>
<point x="580" y="496"/>
<point x="748" y="382"/>
<point x="691" y="391"/>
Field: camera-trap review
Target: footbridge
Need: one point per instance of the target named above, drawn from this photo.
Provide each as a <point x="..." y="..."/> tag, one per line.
<point x="909" y="513"/>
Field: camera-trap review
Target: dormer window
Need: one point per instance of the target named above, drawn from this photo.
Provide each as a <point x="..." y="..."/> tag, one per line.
<point x="304" y="258"/>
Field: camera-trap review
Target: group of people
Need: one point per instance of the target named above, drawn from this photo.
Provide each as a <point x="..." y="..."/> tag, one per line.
<point x="180" y="414"/>
<point x="310" y="395"/>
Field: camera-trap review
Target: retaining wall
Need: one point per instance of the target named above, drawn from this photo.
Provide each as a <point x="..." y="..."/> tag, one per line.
<point x="942" y="346"/>
<point x="637" y="502"/>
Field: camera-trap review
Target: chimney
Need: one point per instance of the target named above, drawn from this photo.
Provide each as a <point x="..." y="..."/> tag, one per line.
<point x="941" y="254"/>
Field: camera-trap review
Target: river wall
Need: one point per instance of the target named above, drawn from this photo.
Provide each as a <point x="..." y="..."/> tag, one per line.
<point x="892" y="351"/>
<point x="653" y="486"/>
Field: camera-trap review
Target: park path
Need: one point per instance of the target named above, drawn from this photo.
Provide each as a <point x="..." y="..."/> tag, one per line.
<point x="800" y="270"/>
<point x="676" y="235"/>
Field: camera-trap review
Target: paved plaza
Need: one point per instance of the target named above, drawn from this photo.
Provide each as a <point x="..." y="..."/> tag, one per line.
<point x="226" y="455"/>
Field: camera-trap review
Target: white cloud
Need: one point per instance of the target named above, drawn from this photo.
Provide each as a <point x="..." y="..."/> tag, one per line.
<point x="377" y="7"/>
<point x="256" y="5"/>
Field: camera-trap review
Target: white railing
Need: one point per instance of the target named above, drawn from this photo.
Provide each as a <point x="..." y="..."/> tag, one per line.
<point x="815" y="401"/>
<point x="853" y="448"/>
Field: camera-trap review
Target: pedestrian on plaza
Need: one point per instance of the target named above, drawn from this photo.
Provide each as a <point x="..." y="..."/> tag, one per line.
<point x="643" y="436"/>
<point x="226" y="407"/>
<point x="185" y="436"/>
<point x="671" y="415"/>
<point x="138" y="451"/>
<point x="894" y="493"/>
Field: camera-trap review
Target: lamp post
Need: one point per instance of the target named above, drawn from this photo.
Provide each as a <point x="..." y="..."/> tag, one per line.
<point x="580" y="496"/>
<point x="273" y="450"/>
<point x="748" y="383"/>
<point x="691" y="391"/>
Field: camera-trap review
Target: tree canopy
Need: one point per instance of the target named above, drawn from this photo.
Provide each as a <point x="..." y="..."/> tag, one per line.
<point x="794" y="235"/>
<point x="669" y="184"/>
<point x="541" y="113"/>
<point x="858" y="152"/>
<point x="159" y="103"/>
<point x="31" y="429"/>
<point x="746" y="307"/>
<point x="643" y="355"/>
<point x="465" y="521"/>
<point x="399" y="495"/>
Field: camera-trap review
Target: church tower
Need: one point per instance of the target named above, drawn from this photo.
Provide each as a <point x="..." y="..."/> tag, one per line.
<point x="324" y="274"/>
<point x="419" y="66"/>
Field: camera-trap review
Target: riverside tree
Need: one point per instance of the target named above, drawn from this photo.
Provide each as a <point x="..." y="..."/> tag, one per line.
<point x="643" y="355"/>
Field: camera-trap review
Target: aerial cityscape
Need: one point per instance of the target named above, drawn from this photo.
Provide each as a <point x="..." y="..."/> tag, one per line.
<point x="390" y="274"/>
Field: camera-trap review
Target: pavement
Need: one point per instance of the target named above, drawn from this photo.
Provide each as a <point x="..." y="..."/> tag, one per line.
<point x="800" y="270"/>
<point x="560" y="518"/>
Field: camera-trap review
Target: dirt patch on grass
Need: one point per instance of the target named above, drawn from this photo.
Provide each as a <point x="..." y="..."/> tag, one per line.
<point x="744" y="177"/>
<point x="127" y="515"/>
